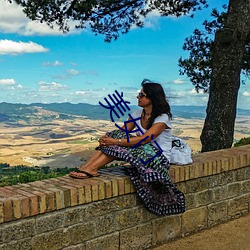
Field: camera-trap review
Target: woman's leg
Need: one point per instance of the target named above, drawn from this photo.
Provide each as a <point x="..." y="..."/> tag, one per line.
<point x="98" y="160"/>
<point x="95" y="156"/>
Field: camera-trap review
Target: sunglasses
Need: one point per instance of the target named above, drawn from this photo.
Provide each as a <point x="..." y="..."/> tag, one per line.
<point x="140" y="94"/>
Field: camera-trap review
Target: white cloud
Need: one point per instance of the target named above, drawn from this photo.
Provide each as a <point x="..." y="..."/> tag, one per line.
<point x="246" y="93"/>
<point x="73" y="72"/>
<point x="10" y="84"/>
<point x="178" y="81"/>
<point x="187" y="97"/>
<point x="11" y="17"/>
<point x="7" y="82"/>
<point x="80" y="92"/>
<point x="15" y="48"/>
<point x="194" y="92"/>
<point x="13" y="20"/>
<point x="92" y="94"/>
<point x="152" y="19"/>
<point x="19" y="86"/>
<point x="180" y="94"/>
<point x="55" y="63"/>
<point x="101" y="89"/>
<point x="51" y="86"/>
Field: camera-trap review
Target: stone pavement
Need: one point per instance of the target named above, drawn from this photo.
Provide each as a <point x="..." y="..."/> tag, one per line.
<point x="232" y="235"/>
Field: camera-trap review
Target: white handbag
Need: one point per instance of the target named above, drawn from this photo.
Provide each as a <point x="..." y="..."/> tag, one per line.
<point x="180" y="152"/>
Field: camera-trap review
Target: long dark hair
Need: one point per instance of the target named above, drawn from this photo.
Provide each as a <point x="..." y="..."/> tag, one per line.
<point x="156" y="94"/>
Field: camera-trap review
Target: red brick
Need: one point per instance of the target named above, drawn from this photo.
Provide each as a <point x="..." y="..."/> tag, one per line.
<point x="41" y="201"/>
<point x="172" y="173"/>
<point x="25" y="200"/>
<point x="248" y="159"/>
<point x="95" y="187"/>
<point x="1" y="211"/>
<point x="95" y="191"/>
<point x="225" y="165"/>
<point x="38" y="184"/>
<point x="87" y="193"/>
<point x="182" y="174"/>
<point x="66" y="195"/>
<point x="79" y="192"/>
<point x="17" y="210"/>
<point x="127" y="185"/>
<point x="187" y="172"/>
<point x="25" y="206"/>
<point x="59" y="199"/>
<point x="121" y="185"/>
<point x="49" y="195"/>
<point x="201" y="170"/>
<point x="33" y="200"/>
<point x="73" y="195"/>
<point x="107" y="186"/>
<point x="101" y="191"/>
<point x="114" y="184"/>
<point x="219" y="165"/>
<point x="108" y="189"/>
<point x="205" y="169"/>
<point x="50" y="200"/>
<point x="7" y="209"/>
<point x="6" y="192"/>
<point x="44" y="201"/>
<point x="80" y="195"/>
<point x="78" y="184"/>
<point x="133" y="190"/>
<point x="210" y="168"/>
<point x="192" y="171"/>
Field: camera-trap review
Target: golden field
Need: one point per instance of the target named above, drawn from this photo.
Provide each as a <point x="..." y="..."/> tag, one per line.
<point x="74" y="140"/>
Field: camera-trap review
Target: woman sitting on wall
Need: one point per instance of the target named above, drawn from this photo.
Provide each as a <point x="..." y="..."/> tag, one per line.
<point x="149" y="169"/>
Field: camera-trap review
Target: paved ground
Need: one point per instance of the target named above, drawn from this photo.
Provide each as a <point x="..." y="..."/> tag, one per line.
<point x="233" y="235"/>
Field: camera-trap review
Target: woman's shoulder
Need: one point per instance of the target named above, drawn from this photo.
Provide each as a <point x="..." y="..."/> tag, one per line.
<point x="165" y="118"/>
<point x="137" y="113"/>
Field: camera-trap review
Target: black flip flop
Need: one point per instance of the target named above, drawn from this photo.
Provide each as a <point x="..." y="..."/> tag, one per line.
<point x="87" y="175"/>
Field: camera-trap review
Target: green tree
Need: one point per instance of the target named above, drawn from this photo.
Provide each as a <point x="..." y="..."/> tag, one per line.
<point x="243" y="141"/>
<point x="227" y="58"/>
<point x="108" y="17"/>
<point x="198" y="66"/>
<point x="112" y="18"/>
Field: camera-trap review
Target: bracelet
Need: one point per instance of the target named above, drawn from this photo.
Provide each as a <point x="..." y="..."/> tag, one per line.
<point x="119" y="141"/>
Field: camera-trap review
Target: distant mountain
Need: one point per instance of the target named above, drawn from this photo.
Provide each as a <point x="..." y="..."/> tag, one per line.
<point x="197" y="112"/>
<point x="94" y="112"/>
<point x="10" y="112"/>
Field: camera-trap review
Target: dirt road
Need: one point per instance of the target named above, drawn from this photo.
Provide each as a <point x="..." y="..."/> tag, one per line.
<point x="233" y="235"/>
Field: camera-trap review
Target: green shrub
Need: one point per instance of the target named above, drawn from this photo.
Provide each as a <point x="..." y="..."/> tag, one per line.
<point x="242" y="142"/>
<point x="23" y="174"/>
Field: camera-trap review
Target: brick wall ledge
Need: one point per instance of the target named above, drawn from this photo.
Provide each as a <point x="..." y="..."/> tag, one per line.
<point x="40" y="197"/>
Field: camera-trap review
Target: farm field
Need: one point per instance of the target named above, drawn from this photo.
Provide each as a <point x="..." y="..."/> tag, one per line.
<point x="62" y="143"/>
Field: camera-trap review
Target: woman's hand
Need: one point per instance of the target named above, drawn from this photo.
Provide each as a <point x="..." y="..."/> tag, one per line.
<point x="107" y="141"/>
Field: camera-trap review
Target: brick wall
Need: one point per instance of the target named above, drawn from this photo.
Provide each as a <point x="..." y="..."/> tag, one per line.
<point x="105" y="212"/>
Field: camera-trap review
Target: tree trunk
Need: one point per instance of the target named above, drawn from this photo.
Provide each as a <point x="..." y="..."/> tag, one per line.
<point x="227" y="56"/>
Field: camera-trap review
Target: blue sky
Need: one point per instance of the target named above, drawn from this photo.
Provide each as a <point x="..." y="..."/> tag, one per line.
<point x="38" y="64"/>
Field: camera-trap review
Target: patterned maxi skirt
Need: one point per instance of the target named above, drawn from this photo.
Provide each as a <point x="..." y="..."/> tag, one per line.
<point x="152" y="181"/>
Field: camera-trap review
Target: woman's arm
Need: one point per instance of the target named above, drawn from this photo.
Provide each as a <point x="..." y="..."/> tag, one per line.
<point x="155" y="130"/>
<point x="130" y="125"/>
